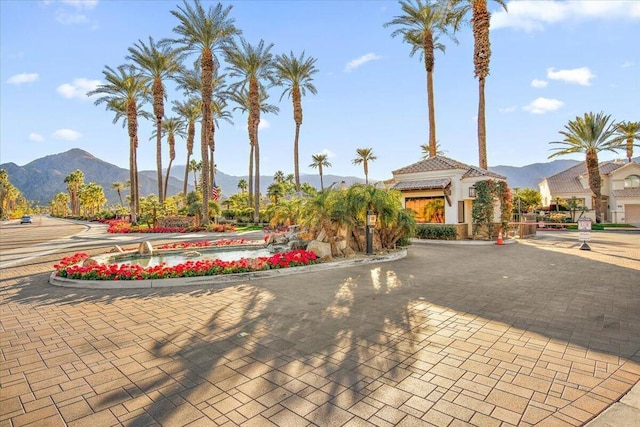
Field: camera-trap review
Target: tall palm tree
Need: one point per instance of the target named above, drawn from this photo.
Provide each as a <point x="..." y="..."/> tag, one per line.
<point x="626" y="134"/>
<point x="421" y="25"/>
<point x="74" y="181"/>
<point x="119" y="187"/>
<point x="189" y="112"/>
<point x="254" y="66"/>
<point x="426" y="151"/>
<point x="126" y="88"/>
<point x="589" y="134"/>
<point x="364" y="156"/>
<point x="195" y="166"/>
<point x="241" y="97"/>
<point x="320" y="160"/>
<point x="296" y="75"/>
<point x="171" y="127"/>
<point x="204" y="32"/>
<point x="158" y="63"/>
<point x="480" y="21"/>
<point x="242" y="185"/>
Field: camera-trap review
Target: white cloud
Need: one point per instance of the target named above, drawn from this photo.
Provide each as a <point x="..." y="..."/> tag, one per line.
<point x="19" y="79"/>
<point x="355" y="63"/>
<point x="627" y="64"/>
<point x="510" y="109"/>
<point x="264" y="124"/>
<point x="36" y="137"/>
<point x="78" y="88"/>
<point x="535" y="15"/>
<point x="539" y="83"/>
<point x="543" y="105"/>
<point x="81" y="4"/>
<point x="67" y="134"/>
<point x="581" y="76"/>
<point x="66" y="18"/>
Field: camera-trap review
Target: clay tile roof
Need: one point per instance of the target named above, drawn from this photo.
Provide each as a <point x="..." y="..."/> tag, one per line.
<point x="441" y="163"/>
<point x="627" y="192"/>
<point x="424" y="184"/>
<point x="567" y="181"/>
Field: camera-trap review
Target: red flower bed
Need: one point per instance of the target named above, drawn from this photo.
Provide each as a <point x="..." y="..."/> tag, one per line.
<point x="69" y="268"/>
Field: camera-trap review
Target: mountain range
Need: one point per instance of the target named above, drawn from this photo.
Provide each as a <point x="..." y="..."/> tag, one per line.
<point x="42" y="178"/>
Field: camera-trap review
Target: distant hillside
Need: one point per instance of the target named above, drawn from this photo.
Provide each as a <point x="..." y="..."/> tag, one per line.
<point x="41" y="179"/>
<point x="529" y="176"/>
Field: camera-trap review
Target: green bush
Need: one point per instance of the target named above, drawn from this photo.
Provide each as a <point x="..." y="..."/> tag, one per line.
<point x="436" y="232"/>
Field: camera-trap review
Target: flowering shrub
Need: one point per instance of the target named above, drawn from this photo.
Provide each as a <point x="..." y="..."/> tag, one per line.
<point x="68" y="267"/>
<point x="124" y="226"/>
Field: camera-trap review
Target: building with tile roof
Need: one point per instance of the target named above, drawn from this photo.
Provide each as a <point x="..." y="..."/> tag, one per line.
<point x="441" y="190"/>
<point x="620" y="190"/>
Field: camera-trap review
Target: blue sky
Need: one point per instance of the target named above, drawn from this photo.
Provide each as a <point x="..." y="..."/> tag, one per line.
<point x="551" y="61"/>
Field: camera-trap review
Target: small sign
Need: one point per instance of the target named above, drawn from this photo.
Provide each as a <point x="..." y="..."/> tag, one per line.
<point x="584" y="224"/>
<point x="584" y="236"/>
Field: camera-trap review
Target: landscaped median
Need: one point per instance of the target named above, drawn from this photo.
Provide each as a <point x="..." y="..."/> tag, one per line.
<point x="74" y="271"/>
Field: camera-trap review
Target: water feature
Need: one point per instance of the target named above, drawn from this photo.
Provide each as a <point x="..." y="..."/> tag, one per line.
<point x="173" y="258"/>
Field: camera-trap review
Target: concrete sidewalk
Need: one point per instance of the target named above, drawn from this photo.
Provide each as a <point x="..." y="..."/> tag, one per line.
<point x="532" y="333"/>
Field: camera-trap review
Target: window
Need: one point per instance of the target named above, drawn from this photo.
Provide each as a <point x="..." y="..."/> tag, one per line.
<point x="632" y="181"/>
<point x="427" y="209"/>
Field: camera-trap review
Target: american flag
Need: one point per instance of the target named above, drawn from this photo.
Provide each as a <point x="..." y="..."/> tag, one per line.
<point x="215" y="193"/>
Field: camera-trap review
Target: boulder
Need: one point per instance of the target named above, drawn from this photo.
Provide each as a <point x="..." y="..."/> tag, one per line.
<point x="348" y="252"/>
<point x="145" y="248"/>
<point x="116" y="249"/>
<point x="89" y="262"/>
<point x="321" y="249"/>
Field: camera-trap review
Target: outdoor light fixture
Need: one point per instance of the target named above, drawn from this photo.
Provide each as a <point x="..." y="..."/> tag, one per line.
<point x="372" y="218"/>
<point x="472" y="191"/>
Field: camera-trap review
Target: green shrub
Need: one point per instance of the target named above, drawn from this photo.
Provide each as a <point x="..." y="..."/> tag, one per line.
<point x="436" y="232"/>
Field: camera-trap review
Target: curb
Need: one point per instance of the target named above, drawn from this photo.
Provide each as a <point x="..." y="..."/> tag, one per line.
<point x="219" y="279"/>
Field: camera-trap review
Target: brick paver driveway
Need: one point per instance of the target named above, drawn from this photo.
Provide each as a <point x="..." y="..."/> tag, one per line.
<point x="521" y="334"/>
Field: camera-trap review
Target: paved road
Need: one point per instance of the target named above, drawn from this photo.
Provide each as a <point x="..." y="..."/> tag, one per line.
<point x="532" y="333"/>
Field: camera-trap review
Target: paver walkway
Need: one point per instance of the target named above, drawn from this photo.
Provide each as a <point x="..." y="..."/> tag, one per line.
<point x="450" y="335"/>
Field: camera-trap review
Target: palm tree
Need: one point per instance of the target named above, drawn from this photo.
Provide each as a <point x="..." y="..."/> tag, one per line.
<point x="242" y="185"/>
<point x="119" y="186"/>
<point x="589" y="134"/>
<point x="296" y="75"/>
<point x="126" y="89"/>
<point x="420" y="26"/>
<point x="364" y="156"/>
<point x="195" y="166"/>
<point x="74" y="181"/>
<point x="189" y="112"/>
<point x="254" y="66"/>
<point x="204" y="32"/>
<point x="158" y="64"/>
<point x="320" y="161"/>
<point x="480" y="21"/>
<point x="171" y="128"/>
<point x="241" y="97"/>
<point x="426" y="150"/>
<point x="626" y="134"/>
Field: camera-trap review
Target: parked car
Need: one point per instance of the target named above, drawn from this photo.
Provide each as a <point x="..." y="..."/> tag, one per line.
<point x="26" y="219"/>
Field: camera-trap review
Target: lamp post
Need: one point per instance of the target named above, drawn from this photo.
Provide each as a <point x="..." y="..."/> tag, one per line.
<point x="371" y="223"/>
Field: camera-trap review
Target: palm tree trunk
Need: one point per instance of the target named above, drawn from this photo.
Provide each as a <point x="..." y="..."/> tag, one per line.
<point x="595" y="183"/>
<point x="427" y="44"/>
<point x="297" y="117"/>
<point x="207" y="95"/>
<point x="158" y="111"/>
<point x="250" y="195"/>
<point x="254" y="121"/>
<point x="166" y="179"/>
<point x="320" y="172"/>
<point x="482" y="132"/>
<point x="186" y="178"/>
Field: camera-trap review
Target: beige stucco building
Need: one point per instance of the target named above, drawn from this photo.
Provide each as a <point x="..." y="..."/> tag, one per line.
<point x="620" y="190"/>
<point x="441" y="190"/>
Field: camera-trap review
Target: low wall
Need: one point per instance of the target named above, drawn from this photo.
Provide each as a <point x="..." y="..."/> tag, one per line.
<point x="177" y="221"/>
